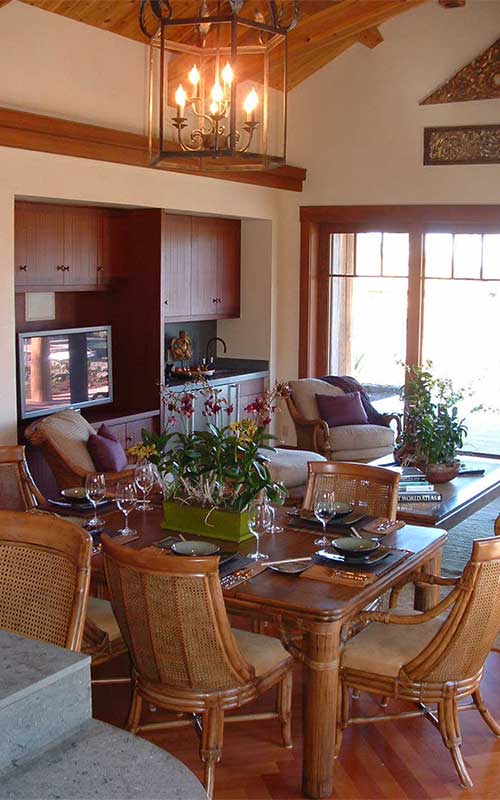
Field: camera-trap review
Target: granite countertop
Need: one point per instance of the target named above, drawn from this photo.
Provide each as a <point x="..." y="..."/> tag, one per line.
<point x="229" y="370"/>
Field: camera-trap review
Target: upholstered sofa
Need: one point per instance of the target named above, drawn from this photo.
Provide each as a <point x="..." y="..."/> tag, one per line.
<point x="362" y="442"/>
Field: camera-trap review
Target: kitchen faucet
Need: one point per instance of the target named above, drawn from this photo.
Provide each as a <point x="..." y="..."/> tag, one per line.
<point x="214" y="339"/>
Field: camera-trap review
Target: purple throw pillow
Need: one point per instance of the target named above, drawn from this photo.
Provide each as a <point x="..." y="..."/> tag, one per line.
<point x="107" y="433"/>
<point x="342" y="409"/>
<point x="107" y="455"/>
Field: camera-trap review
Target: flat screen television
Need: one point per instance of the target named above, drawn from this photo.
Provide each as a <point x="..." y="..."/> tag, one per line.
<point x="64" y="369"/>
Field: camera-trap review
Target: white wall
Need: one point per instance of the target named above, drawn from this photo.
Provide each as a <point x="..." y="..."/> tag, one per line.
<point x="75" y="71"/>
<point x="357" y="126"/>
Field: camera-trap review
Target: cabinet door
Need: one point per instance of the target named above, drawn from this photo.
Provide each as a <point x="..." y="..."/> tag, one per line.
<point x="228" y="267"/>
<point x="105" y="248"/>
<point x="134" y="431"/>
<point x="248" y="391"/>
<point x="80" y="246"/>
<point x="176" y="268"/>
<point x="204" y="267"/>
<point x="49" y="254"/>
<point x="25" y="243"/>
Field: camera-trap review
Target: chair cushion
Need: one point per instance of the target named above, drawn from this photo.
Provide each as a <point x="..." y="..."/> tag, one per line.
<point x="383" y="649"/>
<point x="290" y="466"/>
<point x="361" y="437"/>
<point x="304" y="393"/>
<point x="347" y="409"/>
<point x="107" y="454"/>
<point x="264" y="653"/>
<point x="101" y="614"/>
<point x="68" y="432"/>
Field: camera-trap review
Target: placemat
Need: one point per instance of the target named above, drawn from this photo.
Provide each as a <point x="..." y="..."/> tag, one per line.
<point x="381" y="526"/>
<point x="353" y="575"/>
<point x="231" y="565"/>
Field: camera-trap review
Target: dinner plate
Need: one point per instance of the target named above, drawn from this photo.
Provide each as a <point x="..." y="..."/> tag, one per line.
<point x="194" y="548"/>
<point x="342" y="519"/>
<point x="291" y="568"/>
<point x="355" y="548"/>
<point x="77" y="494"/>
<point x="333" y="559"/>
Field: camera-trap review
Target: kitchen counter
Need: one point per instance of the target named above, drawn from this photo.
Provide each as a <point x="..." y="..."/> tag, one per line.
<point x="228" y="370"/>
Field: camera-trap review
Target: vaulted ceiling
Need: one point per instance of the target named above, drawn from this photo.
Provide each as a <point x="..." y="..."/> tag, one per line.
<point x="325" y="29"/>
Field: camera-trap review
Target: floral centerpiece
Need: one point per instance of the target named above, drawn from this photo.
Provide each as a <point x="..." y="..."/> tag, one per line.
<point x="210" y="476"/>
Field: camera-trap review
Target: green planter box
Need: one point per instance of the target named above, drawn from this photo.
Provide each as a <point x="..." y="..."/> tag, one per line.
<point x="229" y="525"/>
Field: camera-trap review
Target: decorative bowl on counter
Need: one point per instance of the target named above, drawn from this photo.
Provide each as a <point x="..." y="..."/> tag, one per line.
<point x="192" y="372"/>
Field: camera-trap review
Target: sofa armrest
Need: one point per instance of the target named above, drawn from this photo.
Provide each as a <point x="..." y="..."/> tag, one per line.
<point x="388" y="418"/>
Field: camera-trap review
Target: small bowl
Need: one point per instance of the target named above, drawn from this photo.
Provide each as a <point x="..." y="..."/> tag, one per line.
<point x="76" y="494"/>
<point x="194" y="548"/>
<point x="349" y="546"/>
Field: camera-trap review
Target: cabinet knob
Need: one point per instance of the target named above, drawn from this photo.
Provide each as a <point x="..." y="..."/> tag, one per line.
<point x="128" y="438"/>
<point x="100" y="269"/>
<point x="24" y="268"/>
<point x="214" y="299"/>
<point x="166" y="302"/>
<point x="66" y="269"/>
<point x="60" y="268"/>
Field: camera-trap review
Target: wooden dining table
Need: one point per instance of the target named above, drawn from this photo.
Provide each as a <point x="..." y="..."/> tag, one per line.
<point x="309" y="615"/>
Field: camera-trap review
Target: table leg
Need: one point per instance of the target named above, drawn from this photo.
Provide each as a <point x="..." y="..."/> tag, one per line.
<point x="321" y="670"/>
<point x="427" y="597"/>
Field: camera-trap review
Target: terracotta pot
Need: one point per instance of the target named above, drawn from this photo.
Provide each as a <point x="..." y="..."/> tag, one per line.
<point x="441" y="473"/>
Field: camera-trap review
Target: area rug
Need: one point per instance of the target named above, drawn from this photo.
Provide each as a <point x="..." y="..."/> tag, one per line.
<point x="458" y="548"/>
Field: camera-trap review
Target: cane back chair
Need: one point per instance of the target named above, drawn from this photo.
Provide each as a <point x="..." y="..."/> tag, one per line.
<point x="372" y="490"/>
<point x="44" y="577"/>
<point x="428" y="659"/>
<point x="186" y="658"/>
<point x="18" y="491"/>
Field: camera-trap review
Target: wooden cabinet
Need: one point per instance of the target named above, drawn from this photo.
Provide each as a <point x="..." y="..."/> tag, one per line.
<point x="176" y="267"/>
<point x="201" y="269"/>
<point x="62" y="248"/>
<point x="128" y="429"/>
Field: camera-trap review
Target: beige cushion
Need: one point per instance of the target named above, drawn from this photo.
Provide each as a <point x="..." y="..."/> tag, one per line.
<point x="101" y="614"/>
<point x="290" y="466"/>
<point x="264" y="653"/>
<point x="68" y="431"/>
<point x="303" y="394"/>
<point x="361" y="437"/>
<point x="361" y="456"/>
<point x="383" y="649"/>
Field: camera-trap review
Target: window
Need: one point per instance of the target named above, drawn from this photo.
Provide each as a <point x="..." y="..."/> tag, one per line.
<point x="390" y="284"/>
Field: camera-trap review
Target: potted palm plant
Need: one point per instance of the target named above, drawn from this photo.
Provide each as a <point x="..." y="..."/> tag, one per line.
<point x="209" y="477"/>
<point x="433" y="431"/>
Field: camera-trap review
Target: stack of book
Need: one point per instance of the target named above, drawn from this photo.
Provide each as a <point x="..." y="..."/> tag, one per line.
<point x="414" y="487"/>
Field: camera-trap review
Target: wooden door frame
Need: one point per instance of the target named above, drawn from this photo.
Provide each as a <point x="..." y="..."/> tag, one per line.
<point x="315" y="221"/>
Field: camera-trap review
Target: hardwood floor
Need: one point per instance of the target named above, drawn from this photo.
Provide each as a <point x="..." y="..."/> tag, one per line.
<point x="398" y="760"/>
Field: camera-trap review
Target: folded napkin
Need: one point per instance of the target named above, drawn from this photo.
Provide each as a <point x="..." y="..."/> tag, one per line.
<point x="355" y="575"/>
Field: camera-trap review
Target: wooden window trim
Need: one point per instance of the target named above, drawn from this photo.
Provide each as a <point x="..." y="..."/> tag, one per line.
<point x="318" y="222"/>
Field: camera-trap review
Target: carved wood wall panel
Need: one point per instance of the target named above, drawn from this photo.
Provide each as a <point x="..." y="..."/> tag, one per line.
<point x="478" y="80"/>
<point x="466" y="144"/>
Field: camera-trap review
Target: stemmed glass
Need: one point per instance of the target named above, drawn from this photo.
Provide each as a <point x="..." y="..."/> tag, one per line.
<point x="126" y="500"/>
<point x="259" y="518"/>
<point x="324" y="511"/>
<point x="280" y="499"/>
<point x="95" y="490"/>
<point x="144" y="479"/>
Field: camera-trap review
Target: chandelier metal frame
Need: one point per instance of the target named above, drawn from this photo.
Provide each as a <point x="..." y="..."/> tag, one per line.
<point x="216" y="144"/>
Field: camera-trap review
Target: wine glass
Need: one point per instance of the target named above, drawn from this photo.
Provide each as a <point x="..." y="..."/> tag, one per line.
<point x="144" y="479"/>
<point x="259" y="518"/>
<point x="280" y="499"/>
<point x="126" y="500"/>
<point x="324" y="511"/>
<point x="95" y="490"/>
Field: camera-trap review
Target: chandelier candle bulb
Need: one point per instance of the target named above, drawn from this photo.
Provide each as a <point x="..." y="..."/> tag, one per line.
<point x="180" y="99"/>
<point x="250" y="105"/>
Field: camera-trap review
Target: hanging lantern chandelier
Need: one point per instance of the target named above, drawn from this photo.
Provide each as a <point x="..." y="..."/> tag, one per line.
<point x="218" y="83"/>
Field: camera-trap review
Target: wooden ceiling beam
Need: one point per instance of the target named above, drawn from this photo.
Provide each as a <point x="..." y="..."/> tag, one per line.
<point x="4" y="2"/>
<point x="371" y="37"/>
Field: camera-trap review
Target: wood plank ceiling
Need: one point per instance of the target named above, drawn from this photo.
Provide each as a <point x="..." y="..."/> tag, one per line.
<point x="326" y="27"/>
